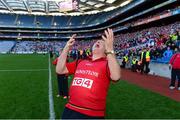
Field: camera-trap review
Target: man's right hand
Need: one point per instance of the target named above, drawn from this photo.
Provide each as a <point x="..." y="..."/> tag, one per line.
<point x="61" y="64"/>
<point x="71" y="41"/>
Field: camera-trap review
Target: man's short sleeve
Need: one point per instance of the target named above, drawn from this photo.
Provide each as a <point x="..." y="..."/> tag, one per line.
<point x="71" y="67"/>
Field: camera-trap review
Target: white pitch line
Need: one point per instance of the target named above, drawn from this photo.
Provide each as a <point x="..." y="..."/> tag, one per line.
<point x="51" y="101"/>
<point x="23" y="70"/>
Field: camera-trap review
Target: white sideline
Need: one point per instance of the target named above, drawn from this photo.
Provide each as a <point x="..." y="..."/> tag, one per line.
<point x="51" y="101"/>
<point x="23" y="70"/>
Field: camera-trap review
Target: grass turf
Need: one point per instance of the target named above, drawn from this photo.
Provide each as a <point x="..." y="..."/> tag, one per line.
<point x="25" y="94"/>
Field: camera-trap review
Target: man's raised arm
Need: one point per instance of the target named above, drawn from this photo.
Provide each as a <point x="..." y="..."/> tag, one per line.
<point x="114" y="67"/>
<point x="61" y="64"/>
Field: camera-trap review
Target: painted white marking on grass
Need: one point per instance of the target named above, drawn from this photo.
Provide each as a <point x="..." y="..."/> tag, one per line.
<point x="23" y="70"/>
<point x="51" y="101"/>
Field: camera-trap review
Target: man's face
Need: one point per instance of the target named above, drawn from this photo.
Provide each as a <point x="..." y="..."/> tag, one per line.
<point x="98" y="47"/>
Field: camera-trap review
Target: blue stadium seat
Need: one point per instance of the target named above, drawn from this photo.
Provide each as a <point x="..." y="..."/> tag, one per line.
<point x="7" y="19"/>
<point x="26" y="20"/>
<point x="44" y="21"/>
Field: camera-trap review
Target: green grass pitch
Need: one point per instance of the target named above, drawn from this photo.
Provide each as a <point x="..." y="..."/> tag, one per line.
<point x="24" y="93"/>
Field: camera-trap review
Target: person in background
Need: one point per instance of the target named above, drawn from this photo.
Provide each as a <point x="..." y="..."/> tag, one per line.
<point x="129" y="62"/>
<point x="174" y="36"/>
<point x="138" y="67"/>
<point x="168" y="53"/>
<point x="62" y="80"/>
<point x="88" y="52"/>
<point x="124" y="61"/>
<point x="84" y="54"/>
<point x="178" y="38"/>
<point x="145" y="59"/>
<point x="134" y="64"/>
<point x="51" y="53"/>
<point x="56" y="54"/>
<point x="175" y="70"/>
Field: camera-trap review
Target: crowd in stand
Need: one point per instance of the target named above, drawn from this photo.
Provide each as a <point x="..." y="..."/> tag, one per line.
<point x="163" y="41"/>
<point x="136" y="49"/>
<point x="155" y="34"/>
<point x="158" y="38"/>
<point x="37" y="46"/>
<point x="160" y="43"/>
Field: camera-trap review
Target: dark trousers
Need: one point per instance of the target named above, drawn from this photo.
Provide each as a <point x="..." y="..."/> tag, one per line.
<point x="146" y="64"/>
<point x="123" y="64"/>
<point x="134" y="67"/>
<point x="175" y="73"/>
<point x="71" y="114"/>
<point x="62" y="85"/>
<point x="51" y="54"/>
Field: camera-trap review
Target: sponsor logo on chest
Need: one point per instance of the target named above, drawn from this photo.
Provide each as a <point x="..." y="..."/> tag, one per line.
<point x="87" y="72"/>
<point x="82" y="82"/>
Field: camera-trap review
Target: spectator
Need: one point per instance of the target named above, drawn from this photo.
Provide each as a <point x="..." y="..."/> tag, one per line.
<point x="168" y="53"/>
<point x="145" y="59"/>
<point x="175" y="71"/>
<point x="62" y="83"/>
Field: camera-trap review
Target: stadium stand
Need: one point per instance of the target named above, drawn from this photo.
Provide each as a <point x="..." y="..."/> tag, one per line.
<point x="33" y="34"/>
<point x="6" y="46"/>
<point x="156" y="37"/>
<point x="37" y="46"/>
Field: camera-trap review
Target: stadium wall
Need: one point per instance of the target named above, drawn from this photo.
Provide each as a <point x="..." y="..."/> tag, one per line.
<point x="158" y="69"/>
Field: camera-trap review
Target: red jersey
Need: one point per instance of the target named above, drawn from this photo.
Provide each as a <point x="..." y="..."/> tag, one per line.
<point x="175" y="61"/>
<point x="89" y="87"/>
